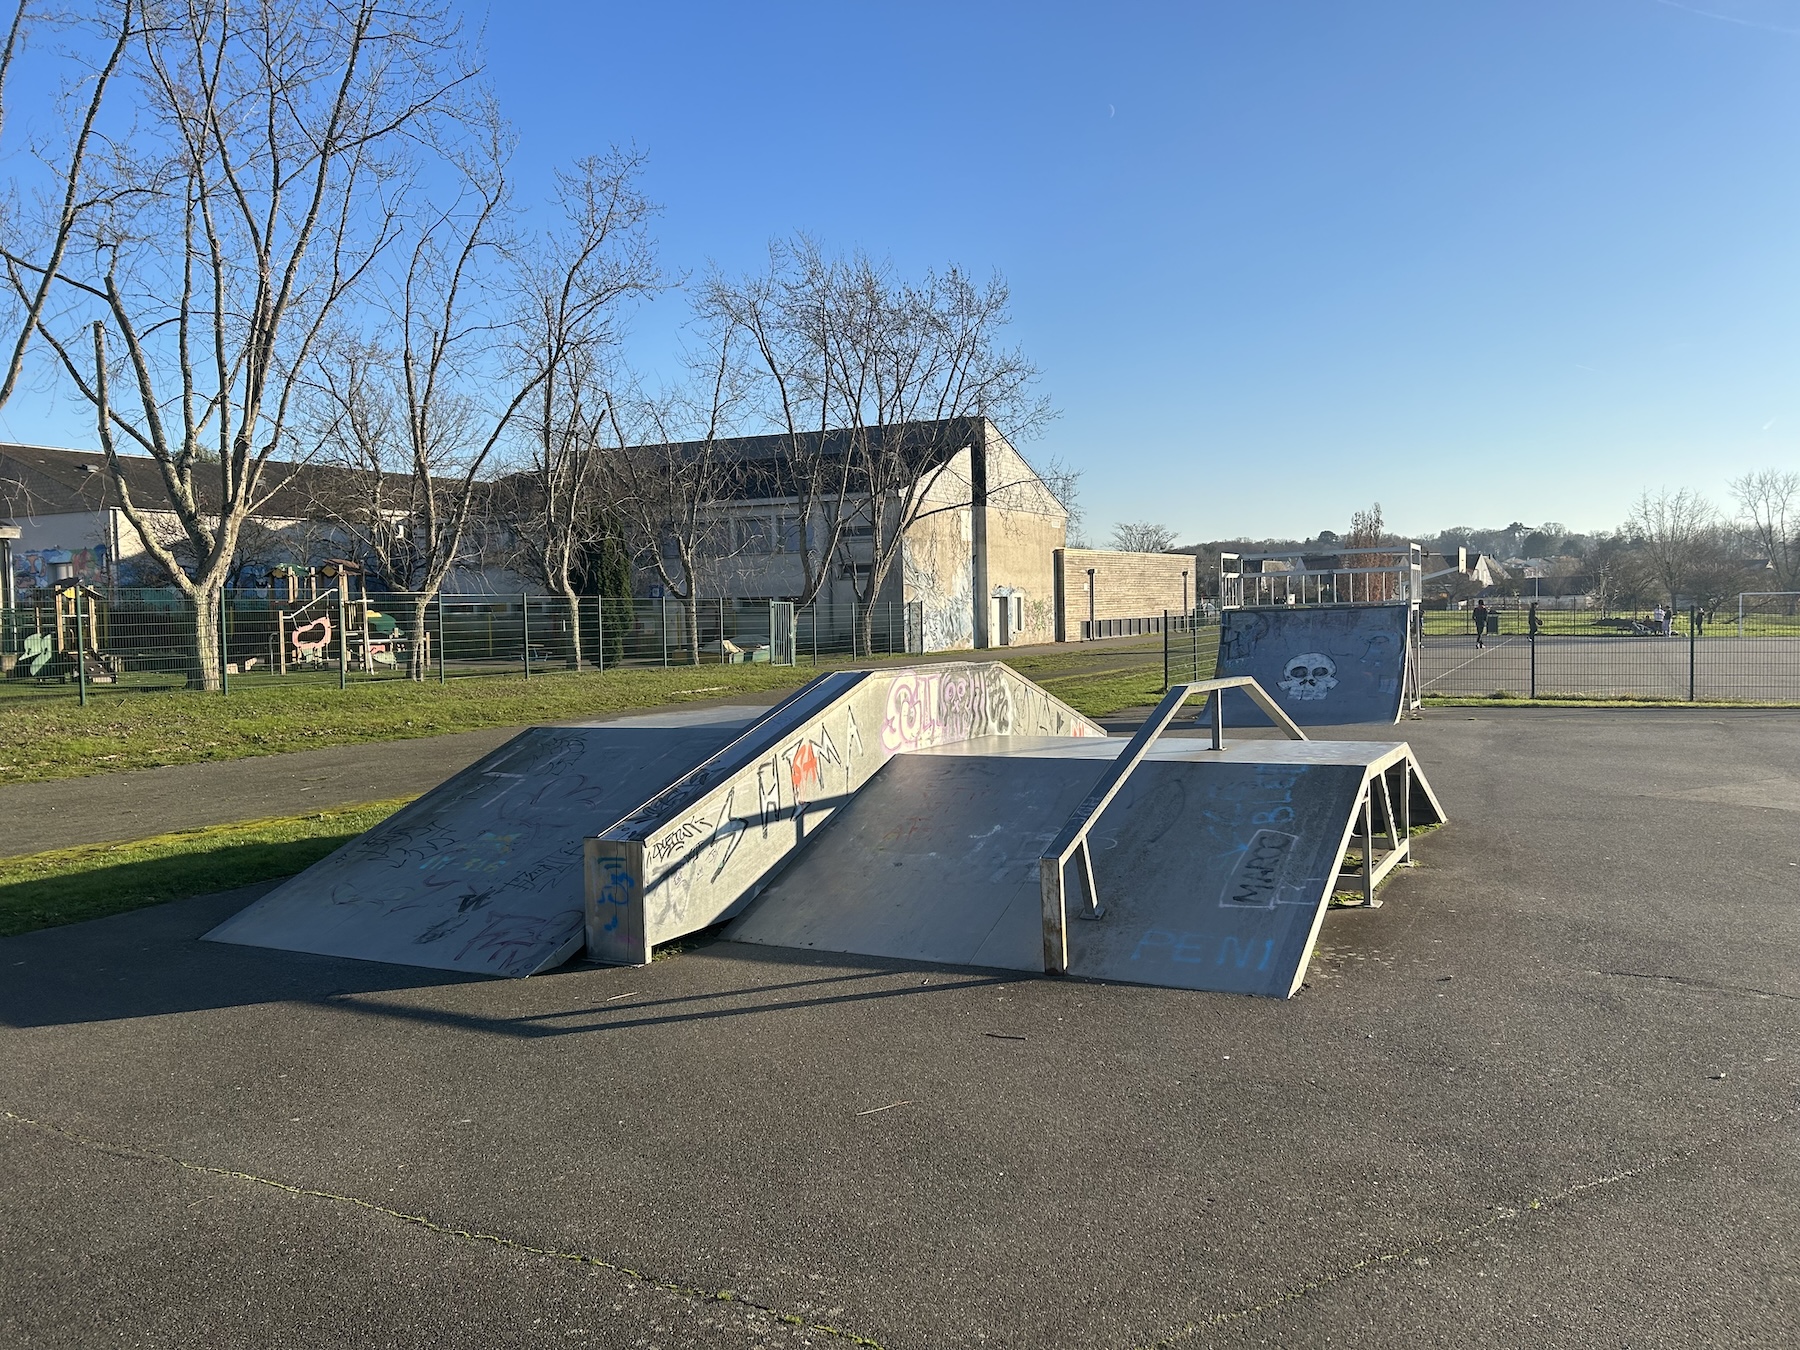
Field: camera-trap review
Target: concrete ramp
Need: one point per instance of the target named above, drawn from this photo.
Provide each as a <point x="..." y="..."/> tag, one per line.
<point x="483" y="874"/>
<point x="698" y="851"/>
<point x="1214" y="868"/>
<point x="1326" y="666"/>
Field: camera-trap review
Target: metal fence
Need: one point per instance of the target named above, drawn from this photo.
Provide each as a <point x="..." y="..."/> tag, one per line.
<point x="1190" y="647"/>
<point x="1692" y="656"/>
<point x="139" y="640"/>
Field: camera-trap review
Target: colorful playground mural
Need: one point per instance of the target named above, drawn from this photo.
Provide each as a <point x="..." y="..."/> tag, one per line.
<point x="37" y="568"/>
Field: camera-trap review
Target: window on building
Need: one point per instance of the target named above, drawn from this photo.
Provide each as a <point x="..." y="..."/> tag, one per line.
<point x="753" y="535"/>
<point x="787" y="534"/>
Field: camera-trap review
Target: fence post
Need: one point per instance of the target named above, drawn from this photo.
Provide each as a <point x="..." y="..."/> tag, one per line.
<point x="224" y="645"/>
<point x="1692" y="613"/>
<point x="80" y="646"/>
<point x="443" y="676"/>
<point x="600" y="633"/>
<point x="663" y="614"/>
<point x="525" y="630"/>
<point x="343" y="636"/>
<point x="1532" y="637"/>
<point x="1165" y="632"/>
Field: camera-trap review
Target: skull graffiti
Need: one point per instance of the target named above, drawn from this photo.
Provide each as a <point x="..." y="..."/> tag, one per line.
<point x="1310" y="675"/>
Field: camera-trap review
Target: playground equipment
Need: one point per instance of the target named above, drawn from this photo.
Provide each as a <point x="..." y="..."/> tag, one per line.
<point x="71" y="649"/>
<point x="1333" y="635"/>
<point x="900" y="813"/>
<point x="328" y="626"/>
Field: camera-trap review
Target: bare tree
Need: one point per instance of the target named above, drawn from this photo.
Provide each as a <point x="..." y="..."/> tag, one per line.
<point x="920" y="376"/>
<point x="1677" y="534"/>
<point x="1142" y="536"/>
<point x="1064" y="483"/>
<point x="32" y="271"/>
<point x="1769" y="508"/>
<point x="243" y="205"/>
<point x="574" y="285"/>
<point x="680" y="478"/>
<point x="793" y="317"/>
<point x="877" y="387"/>
<point x="421" y="408"/>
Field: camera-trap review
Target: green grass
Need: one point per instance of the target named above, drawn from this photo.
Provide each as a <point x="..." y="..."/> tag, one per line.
<point x="68" y="885"/>
<point x="44" y="738"/>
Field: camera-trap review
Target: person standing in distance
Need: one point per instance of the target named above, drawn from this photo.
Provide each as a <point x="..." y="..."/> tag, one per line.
<point x="1481" y="618"/>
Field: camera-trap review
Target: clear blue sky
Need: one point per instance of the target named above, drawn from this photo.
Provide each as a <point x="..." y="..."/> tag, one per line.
<point x="1480" y="260"/>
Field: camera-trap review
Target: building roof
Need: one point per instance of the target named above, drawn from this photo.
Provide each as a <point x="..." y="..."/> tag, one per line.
<point x="37" y="480"/>
<point x="765" y="459"/>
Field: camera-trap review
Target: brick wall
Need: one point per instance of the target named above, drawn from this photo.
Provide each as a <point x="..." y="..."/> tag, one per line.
<point x="1126" y="586"/>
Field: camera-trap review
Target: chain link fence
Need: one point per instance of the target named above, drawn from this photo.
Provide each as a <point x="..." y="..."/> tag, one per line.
<point x="1687" y="656"/>
<point x="146" y="639"/>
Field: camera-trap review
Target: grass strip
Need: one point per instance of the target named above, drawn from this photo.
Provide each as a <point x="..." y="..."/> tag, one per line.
<point x="69" y="885"/>
<point x="42" y="739"/>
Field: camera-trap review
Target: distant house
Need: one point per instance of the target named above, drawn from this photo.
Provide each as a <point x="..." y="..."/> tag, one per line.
<point x="975" y="566"/>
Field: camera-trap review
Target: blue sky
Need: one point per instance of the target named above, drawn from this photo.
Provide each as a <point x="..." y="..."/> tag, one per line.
<point x="1481" y="261"/>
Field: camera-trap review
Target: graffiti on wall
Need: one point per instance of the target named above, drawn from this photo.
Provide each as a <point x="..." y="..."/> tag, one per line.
<point x="41" y="568"/>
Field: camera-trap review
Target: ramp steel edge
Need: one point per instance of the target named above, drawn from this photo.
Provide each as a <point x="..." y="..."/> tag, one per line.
<point x="1072" y="840"/>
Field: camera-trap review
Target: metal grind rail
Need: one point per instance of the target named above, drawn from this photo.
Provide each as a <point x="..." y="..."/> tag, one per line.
<point x="1053" y="864"/>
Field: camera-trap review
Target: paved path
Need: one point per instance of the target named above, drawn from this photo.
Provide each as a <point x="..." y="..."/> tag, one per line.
<point x="1545" y="1096"/>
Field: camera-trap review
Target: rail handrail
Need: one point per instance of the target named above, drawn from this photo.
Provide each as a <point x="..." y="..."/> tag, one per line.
<point x="1073" y="837"/>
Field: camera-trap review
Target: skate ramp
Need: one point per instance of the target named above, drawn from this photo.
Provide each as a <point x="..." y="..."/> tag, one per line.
<point x="698" y="851"/>
<point x="1326" y="667"/>
<point x="1214" y="868"/>
<point x="483" y="873"/>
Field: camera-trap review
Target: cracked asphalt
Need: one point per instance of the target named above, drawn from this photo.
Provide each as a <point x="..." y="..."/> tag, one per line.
<point x="1546" y="1095"/>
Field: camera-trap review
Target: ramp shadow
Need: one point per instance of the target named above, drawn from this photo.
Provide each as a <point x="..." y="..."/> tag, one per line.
<point x="150" y="962"/>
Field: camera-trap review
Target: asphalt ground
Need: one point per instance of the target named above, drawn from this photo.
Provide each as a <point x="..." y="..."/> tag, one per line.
<point x="1546" y="1095"/>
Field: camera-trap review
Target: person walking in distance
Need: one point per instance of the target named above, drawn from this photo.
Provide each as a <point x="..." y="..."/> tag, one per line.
<point x="1481" y="619"/>
<point x="1533" y="624"/>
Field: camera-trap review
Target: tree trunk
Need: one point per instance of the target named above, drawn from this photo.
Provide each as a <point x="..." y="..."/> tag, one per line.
<point x="693" y="622"/>
<point x="574" y="603"/>
<point x="867" y="625"/>
<point x="416" y="646"/>
<point x="208" y="664"/>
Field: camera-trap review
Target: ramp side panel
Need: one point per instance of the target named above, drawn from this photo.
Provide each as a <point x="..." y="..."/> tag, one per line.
<point x="482" y="874"/>
<point x="1327" y="667"/>
<point x="706" y="849"/>
<point x="935" y="860"/>
<point x="1215" y="876"/>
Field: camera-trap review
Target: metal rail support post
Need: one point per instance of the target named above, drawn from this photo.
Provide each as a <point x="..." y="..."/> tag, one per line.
<point x="525" y="630"/>
<point x="224" y="646"/>
<point x="1532" y="638"/>
<point x="343" y="608"/>
<point x="600" y="633"/>
<point x="1165" y="632"/>
<point x="443" y="675"/>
